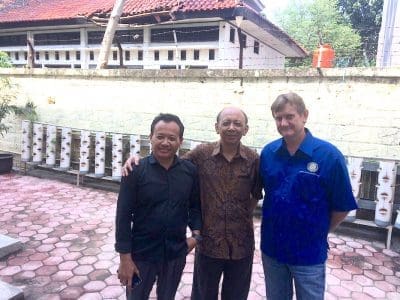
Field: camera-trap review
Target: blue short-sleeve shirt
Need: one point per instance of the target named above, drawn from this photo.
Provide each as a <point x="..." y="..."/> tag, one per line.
<point x="301" y="191"/>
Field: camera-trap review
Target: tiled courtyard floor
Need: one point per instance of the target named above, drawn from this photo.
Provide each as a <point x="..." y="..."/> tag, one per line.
<point x="68" y="252"/>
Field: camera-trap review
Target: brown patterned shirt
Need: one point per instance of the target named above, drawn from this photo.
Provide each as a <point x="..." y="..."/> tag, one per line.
<point x="229" y="192"/>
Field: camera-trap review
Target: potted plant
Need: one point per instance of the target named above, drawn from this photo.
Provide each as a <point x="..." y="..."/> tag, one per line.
<point x="7" y="95"/>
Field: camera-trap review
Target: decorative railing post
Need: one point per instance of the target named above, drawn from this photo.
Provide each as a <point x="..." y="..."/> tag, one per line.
<point x="51" y="138"/>
<point x="385" y="193"/>
<point x="37" y="143"/>
<point x="354" y="166"/>
<point x="26" y="141"/>
<point x="99" y="160"/>
<point x="116" y="156"/>
<point x="66" y="139"/>
<point x="84" y="152"/>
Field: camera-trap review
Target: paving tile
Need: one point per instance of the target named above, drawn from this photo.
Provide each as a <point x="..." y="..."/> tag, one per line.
<point x="71" y="256"/>
<point x="352" y="286"/>
<point x="339" y="291"/>
<point x="374" y="292"/>
<point x="374" y="275"/>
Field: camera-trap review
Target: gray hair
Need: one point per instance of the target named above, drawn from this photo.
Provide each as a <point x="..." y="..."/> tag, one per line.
<point x="288" y="98"/>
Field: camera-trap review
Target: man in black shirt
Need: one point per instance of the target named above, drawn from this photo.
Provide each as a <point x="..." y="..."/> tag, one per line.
<point x="156" y="203"/>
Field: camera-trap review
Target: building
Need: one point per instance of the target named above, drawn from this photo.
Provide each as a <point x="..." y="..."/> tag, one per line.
<point x="388" y="54"/>
<point x="163" y="34"/>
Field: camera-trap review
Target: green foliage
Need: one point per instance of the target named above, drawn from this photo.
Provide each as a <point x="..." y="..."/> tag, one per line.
<point x="366" y="18"/>
<point x="7" y="96"/>
<point x="315" y="22"/>
<point x="5" y="61"/>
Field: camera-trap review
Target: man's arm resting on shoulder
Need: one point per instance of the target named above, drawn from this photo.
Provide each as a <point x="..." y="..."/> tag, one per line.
<point x="336" y="218"/>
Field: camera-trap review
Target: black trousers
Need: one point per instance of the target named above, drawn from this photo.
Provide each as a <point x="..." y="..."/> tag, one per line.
<point x="208" y="272"/>
<point x="168" y="275"/>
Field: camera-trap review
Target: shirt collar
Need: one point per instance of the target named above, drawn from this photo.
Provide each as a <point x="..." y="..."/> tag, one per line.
<point x="217" y="150"/>
<point x="306" y="145"/>
<point x="153" y="160"/>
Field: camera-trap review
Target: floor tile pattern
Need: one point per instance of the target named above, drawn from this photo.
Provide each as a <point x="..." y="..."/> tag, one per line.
<point x="68" y="236"/>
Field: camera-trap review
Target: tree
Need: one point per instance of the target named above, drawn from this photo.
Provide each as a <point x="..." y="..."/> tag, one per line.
<point x="5" y="61"/>
<point x="109" y="34"/>
<point x="315" y="22"/>
<point x="366" y="18"/>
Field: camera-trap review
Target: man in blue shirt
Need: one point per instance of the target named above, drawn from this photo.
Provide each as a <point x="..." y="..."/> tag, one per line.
<point x="156" y="202"/>
<point x="307" y="194"/>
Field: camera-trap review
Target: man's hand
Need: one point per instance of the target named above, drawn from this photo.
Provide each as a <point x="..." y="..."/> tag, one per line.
<point x="191" y="243"/>
<point x="128" y="165"/>
<point x="126" y="270"/>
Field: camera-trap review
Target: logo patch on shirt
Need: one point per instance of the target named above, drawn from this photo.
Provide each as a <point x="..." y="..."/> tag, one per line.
<point x="312" y="167"/>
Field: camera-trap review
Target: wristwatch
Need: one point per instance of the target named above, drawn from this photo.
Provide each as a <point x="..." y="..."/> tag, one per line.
<point x="197" y="237"/>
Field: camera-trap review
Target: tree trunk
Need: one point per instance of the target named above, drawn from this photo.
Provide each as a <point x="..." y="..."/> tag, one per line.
<point x="109" y="34"/>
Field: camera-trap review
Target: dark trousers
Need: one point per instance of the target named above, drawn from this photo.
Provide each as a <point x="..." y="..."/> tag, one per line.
<point x="168" y="275"/>
<point x="207" y="275"/>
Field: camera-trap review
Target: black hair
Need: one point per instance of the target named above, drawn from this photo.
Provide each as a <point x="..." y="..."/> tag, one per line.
<point x="168" y="118"/>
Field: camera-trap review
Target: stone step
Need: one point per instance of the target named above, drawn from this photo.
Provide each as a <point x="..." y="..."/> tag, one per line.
<point x="8" y="245"/>
<point x="10" y="292"/>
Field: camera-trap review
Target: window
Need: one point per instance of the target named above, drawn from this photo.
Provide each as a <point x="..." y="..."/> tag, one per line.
<point x="46" y="55"/>
<point x="185" y="34"/>
<point x="196" y="54"/>
<point x="123" y="36"/>
<point x="57" y="55"/>
<point x="13" y="40"/>
<point x="170" y="55"/>
<point x="78" y="55"/>
<point x="67" y="57"/>
<point x="26" y="55"/>
<point x="115" y="55"/>
<point x="127" y="55"/>
<point x="91" y="55"/>
<point x="232" y="35"/>
<point x="183" y="54"/>
<point x="57" y="38"/>
<point x="256" y="47"/>
<point x="140" y="55"/>
<point x="16" y="55"/>
<point x="37" y="55"/>
<point x="156" y="55"/>
<point x="211" y="54"/>
<point x="244" y="40"/>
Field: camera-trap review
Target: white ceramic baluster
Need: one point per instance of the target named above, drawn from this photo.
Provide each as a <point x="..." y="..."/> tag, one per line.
<point x="116" y="157"/>
<point x="26" y="141"/>
<point x="385" y="193"/>
<point x="37" y="149"/>
<point x="84" y="152"/>
<point x="134" y="145"/>
<point x="100" y="154"/>
<point x="66" y="139"/>
<point x="51" y="138"/>
<point x="354" y="166"/>
<point x="397" y="223"/>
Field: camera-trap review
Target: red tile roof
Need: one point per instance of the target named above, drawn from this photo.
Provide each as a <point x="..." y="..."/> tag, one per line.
<point x="46" y="10"/>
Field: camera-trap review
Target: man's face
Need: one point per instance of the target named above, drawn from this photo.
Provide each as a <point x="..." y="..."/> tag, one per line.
<point x="289" y="122"/>
<point x="165" y="140"/>
<point x="231" y="126"/>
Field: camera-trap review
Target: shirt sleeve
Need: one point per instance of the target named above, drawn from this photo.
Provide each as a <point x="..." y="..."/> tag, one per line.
<point x="256" y="190"/>
<point x="195" y="221"/>
<point x="340" y="193"/>
<point x="124" y="215"/>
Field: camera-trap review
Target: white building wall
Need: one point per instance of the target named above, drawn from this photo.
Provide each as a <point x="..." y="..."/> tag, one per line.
<point x="85" y="56"/>
<point x="388" y="54"/>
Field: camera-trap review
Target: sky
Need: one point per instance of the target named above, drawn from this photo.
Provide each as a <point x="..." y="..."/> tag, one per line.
<point x="274" y="5"/>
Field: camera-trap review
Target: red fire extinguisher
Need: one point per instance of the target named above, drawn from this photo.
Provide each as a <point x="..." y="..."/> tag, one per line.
<point x="323" y="57"/>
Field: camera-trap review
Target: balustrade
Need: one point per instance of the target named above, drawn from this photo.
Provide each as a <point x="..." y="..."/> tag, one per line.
<point x="101" y="155"/>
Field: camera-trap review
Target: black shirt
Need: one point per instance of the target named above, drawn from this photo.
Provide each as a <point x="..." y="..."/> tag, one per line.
<point x="154" y="208"/>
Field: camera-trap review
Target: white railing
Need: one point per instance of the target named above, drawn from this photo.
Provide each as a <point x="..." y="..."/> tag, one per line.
<point x="101" y="154"/>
